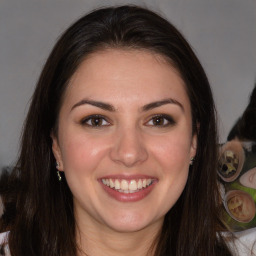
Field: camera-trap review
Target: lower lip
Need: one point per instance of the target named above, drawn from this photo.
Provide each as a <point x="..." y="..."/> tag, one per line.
<point x="128" y="197"/>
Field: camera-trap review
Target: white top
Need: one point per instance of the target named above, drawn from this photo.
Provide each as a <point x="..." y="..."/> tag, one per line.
<point x="4" y="240"/>
<point x="245" y="245"/>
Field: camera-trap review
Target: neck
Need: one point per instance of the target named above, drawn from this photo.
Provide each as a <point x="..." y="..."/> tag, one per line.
<point x="99" y="240"/>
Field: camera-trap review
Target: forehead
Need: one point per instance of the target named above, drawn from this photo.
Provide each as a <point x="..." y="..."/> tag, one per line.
<point x="116" y="73"/>
<point x="124" y="59"/>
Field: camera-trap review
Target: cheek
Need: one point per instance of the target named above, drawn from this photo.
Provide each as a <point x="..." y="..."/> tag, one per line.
<point x="172" y="152"/>
<point x="171" y="156"/>
<point x="83" y="153"/>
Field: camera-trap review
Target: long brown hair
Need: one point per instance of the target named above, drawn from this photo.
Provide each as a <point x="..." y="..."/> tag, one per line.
<point x="44" y="223"/>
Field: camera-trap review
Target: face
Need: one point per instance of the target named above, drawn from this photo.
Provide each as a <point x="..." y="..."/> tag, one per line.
<point x="249" y="178"/>
<point x="125" y="139"/>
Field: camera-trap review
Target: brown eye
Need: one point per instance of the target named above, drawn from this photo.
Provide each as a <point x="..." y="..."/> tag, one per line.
<point x="95" y="121"/>
<point x="161" y="121"/>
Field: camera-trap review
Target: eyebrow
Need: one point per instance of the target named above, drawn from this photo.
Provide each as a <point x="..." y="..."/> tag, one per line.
<point x="109" y="107"/>
<point x="99" y="104"/>
<point x="161" y="103"/>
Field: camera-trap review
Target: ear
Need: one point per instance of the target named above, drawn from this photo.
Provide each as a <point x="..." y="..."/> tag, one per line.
<point x="194" y="141"/>
<point x="193" y="146"/>
<point x="57" y="152"/>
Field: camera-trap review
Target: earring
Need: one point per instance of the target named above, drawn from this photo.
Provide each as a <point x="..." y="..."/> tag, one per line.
<point x="58" y="172"/>
<point x="191" y="161"/>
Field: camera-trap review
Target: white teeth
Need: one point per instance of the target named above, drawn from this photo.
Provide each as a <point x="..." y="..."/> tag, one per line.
<point x="139" y="184"/>
<point x="133" y="185"/>
<point x="124" y="185"/>
<point x="117" y="184"/>
<point x="127" y="186"/>
<point x="111" y="183"/>
<point x="144" y="183"/>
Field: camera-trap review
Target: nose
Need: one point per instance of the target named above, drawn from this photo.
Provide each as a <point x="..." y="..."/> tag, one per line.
<point x="129" y="148"/>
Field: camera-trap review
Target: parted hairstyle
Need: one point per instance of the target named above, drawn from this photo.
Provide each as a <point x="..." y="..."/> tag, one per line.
<point x="43" y="222"/>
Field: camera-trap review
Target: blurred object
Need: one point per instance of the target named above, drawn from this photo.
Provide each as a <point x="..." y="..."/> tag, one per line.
<point x="249" y="178"/>
<point x="8" y="192"/>
<point x="240" y="205"/>
<point x="237" y="171"/>
<point x="245" y="127"/>
<point x="231" y="161"/>
<point x="237" y="177"/>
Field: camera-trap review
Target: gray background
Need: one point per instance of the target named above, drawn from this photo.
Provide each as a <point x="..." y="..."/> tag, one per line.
<point x="222" y="33"/>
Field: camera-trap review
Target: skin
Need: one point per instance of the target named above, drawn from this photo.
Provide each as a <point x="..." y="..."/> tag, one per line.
<point x="128" y="142"/>
<point x="249" y="178"/>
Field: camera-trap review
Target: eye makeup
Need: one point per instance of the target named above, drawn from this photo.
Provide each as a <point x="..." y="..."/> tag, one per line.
<point x="95" y="121"/>
<point x="160" y="121"/>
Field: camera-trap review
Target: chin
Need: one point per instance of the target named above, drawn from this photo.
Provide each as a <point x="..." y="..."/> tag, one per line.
<point x="130" y="223"/>
<point x="126" y="227"/>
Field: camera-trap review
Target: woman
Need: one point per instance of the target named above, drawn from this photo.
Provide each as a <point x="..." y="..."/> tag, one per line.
<point x="119" y="146"/>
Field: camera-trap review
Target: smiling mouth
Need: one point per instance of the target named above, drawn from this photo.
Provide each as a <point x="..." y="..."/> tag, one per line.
<point x="128" y="186"/>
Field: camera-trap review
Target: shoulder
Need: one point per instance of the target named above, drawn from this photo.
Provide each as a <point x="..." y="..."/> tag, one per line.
<point x="245" y="242"/>
<point x="4" y="243"/>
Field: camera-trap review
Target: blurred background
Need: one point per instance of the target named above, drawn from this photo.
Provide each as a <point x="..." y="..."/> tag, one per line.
<point x="222" y="33"/>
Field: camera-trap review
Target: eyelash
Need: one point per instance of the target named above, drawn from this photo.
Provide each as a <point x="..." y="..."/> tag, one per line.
<point x="102" y="121"/>
<point x="100" y="118"/>
<point x="167" y="121"/>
